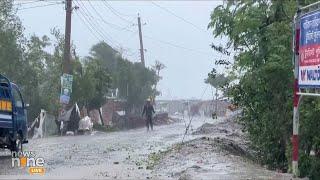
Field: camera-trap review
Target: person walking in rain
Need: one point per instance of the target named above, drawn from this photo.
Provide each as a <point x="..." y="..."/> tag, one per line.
<point x="148" y="110"/>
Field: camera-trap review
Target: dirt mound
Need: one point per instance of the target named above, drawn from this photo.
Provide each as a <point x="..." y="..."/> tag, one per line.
<point x="208" y="128"/>
<point x="223" y="144"/>
<point x="234" y="147"/>
<point x="228" y="127"/>
<point x="228" y="135"/>
<point x="207" y="157"/>
<point x="204" y="129"/>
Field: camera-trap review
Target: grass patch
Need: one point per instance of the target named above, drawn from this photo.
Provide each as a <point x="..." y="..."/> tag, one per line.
<point x="99" y="127"/>
<point x="155" y="157"/>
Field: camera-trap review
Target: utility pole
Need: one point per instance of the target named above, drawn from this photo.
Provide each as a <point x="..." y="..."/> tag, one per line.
<point x="216" y="108"/>
<point x="141" y="43"/>
<point x="66" y="78"/>
<point x="67" y="55"/>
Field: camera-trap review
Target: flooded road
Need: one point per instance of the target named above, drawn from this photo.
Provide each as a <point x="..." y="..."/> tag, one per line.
<point x="126" y="155"/>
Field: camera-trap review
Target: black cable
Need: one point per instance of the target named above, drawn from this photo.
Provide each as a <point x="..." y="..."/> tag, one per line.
<point x="89" y="28"/>
<point x="92" y="23"/>
<point x="28" y="2"/>
<point x="88" y="22"/>
<point x="181" y="18"/>
<point x="161" y="41"/>
<point x="118" y="12"/>
<point x="96" y="11"/>
<point x="101" y="18"/>
<point x="105" y="3"/>
<point x="131" y="35"/>
<point x="177" y="46"/>
<point x="45" y="5"/>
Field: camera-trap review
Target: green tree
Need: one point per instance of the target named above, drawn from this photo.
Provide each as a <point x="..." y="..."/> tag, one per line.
<point x="218" y="81"/>
<point x="134" y="82"/>
<point x="92" y="86"/>
<point x="10" y="41"/>
<point x="261" y="33"/>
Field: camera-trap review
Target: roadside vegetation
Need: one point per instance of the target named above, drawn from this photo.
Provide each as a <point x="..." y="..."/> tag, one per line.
<point x="260" y="34"/>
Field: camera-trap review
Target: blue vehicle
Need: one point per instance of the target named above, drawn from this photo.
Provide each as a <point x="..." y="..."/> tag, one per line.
<point x="13" y="116"/>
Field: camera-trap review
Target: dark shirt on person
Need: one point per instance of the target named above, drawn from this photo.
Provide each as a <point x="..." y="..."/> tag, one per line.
<point x="148" y="110"/>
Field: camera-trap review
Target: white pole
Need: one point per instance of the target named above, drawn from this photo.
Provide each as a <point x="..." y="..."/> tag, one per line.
<point x="295" y="132"/>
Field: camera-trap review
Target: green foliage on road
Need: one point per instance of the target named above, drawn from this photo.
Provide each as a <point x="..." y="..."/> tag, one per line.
<point x="35" y="64"/>
<point x="261" y="33"/>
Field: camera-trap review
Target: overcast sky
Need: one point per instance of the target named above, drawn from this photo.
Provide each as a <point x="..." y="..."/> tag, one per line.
<point x="187" y="66"/>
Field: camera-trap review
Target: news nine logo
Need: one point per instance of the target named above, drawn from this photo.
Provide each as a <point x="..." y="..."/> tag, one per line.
<point x="28" y="159"/>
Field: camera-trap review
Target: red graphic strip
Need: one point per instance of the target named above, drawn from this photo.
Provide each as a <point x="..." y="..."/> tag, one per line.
<point x="309" y="55"/>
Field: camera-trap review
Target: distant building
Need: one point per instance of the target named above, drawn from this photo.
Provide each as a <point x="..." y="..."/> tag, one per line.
<point x="194" y="107"/>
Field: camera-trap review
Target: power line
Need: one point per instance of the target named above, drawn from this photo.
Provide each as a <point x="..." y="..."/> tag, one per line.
<point x="120" y="13"/>
<point x="93" y="24"/>
<point x="45" y="5"/>
<point x="181" y="18"/>
<point x="131" y="35"/>
<point x="89" y="28"/>
<point x="114" y="26"/>
<point x="161" y="41"/>
<point x="89" y="23"/>
<point x="102" y="19"/>
<point x="115" y="12"/>
<point x="29" y="2"/>
<point x="97" y="28"/>
<point x="177" y="46"/>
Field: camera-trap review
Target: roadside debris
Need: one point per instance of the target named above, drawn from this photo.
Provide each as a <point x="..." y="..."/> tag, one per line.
<point x="69" y="120"/>
<point x="85" y="125"/>
<point x="43" y="126"/>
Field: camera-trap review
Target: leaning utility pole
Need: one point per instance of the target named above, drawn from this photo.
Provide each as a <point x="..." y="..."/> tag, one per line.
<point x="141" y="43"/>
<point x="66" y="78"/>
<point x="67" y="55"/>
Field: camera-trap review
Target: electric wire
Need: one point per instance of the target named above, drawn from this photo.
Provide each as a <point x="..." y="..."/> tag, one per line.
<point x="101" y="18"/>
<point x="179" y="17"/>
<point x="106" y="4"/>
<point x="118" y="12"/>
<point x="38" y="6"/>
<point x="94" y="25"/>
<point x="28" y="2"/>
<point x="89" y="28"/>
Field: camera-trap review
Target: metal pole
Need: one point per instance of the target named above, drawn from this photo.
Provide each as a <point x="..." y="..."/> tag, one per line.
<point x="295" y="133"/>
<point x="141" y="42"/>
